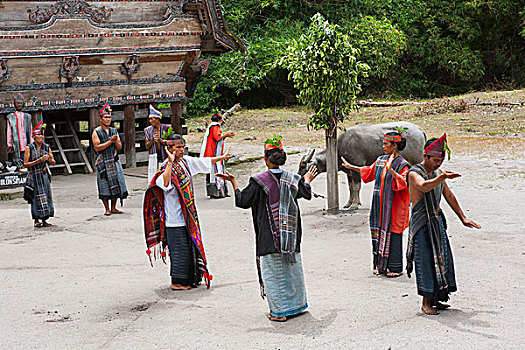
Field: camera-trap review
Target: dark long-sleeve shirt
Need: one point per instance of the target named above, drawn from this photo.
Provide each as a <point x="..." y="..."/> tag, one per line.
<point x="254" y="197"/>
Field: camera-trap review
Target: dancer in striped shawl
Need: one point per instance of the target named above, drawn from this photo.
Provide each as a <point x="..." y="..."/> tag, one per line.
<point x="37" y="157"/>
<point x="390" y="201"/>
<point x="272" y="196"/>
<point x="428" y="244"/>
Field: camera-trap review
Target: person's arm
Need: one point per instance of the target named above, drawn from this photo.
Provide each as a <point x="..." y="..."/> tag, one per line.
<point x="428" y="185"/>
<point x="453" y="202"/>
<point x="305" y="190"/>
<point x="223" y="157"/>
<point x="102" y="146"/>
<point x="247" y="197"/>
<point x="149" y="142"/>
<point x="368" y="173"/>
<point x="399" y="182"/>
<point x="227" y="134"/>
<point x="118" y="143"/>
<point x="51" y="159"/>
<point x="28" y="164"/>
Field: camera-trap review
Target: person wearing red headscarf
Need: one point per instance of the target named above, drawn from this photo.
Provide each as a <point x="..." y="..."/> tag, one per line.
<point x="428" y="244"/>
<point x="390" y="204"/>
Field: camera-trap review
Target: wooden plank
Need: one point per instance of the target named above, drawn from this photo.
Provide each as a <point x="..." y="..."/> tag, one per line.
<point x="3" y="138"/>
<point x="129" y="131"/>
<point x="36" y="117"/>
<point x="60" y="150"/>
<point x="176" y="115"/>
<point x="93" y="123"/>
<point x="87" y="166"/>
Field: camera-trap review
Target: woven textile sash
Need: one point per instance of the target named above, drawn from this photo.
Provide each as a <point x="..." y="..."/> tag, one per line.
<point x="381" y="212"/>
<point x="430" y="201"/>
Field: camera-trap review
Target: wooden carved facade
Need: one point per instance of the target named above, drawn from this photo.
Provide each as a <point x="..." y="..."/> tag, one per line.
<point x="77" y="55"/>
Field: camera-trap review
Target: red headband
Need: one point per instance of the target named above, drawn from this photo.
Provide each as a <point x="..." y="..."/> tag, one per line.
<point x="175" y="142"/>
<point x="268" y="147"/>
<point x="393" y="138"/>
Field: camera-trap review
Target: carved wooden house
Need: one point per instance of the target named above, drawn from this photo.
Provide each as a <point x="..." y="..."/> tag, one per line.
<point x="67" y="58"/>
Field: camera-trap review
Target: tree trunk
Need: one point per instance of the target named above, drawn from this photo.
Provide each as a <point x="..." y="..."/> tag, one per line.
<point x="332" y="184"/>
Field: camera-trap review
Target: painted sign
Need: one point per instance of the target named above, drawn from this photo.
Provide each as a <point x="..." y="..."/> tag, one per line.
<point x="9" y="180"/>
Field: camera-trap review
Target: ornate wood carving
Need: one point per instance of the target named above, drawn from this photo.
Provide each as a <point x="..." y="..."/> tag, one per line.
<point x="204" y="65"/>
<point x="70" y="8"/>
<point x="69" y="69"/>
<point x="130" y="66"/>
<point x="5" y="73"/>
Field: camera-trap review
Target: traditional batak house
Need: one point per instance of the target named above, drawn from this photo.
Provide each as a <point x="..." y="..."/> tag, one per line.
<point x="68" y="58"/>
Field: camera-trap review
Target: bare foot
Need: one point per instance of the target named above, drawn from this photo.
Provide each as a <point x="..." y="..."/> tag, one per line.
<point x="394" y="274"/>
<point x="116" y="211"/>
<point x="441" y="306"/>
<point x="429" y="310"/>
<point x="37" y="224"/>
<point x="376" y="271"/>
<point x="46" y="224"/>
<point x="276" y="319"/>
<point x="107" y="213"/>
<point x="179" y="287"/>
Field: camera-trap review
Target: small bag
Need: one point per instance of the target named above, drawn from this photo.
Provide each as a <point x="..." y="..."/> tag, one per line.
<point x="29" y="193"/>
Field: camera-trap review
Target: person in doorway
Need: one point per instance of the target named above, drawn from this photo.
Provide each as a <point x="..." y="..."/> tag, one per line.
<point x="272" y="196"/>
<point x="390" y="204"/>
<point x="170" y="215"/>
<point x="428" y="243"/>
<point x="212" y="146"/>
<point x="18" y="132"/>
<point x="37" y="158"/>
<point x="154" y="141"/>
<point x="110" y="175"/>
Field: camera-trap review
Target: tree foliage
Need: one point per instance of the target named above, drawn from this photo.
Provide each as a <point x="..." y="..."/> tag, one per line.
<point x="418" y="48"/>
<point x="325" y="69"/>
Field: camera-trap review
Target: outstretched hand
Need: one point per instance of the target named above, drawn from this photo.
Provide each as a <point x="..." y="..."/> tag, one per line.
<point x="346" y="164"/>
<point x="227" y="155"/>
<point x="227" y="177"/>
<point x="310" y="174"/>
<point x="450" y="174"/>
<point x="471" y="224"/>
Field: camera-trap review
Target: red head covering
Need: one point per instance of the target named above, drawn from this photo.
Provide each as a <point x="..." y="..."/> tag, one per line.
<point x="105" y="110"/>
<point x="393" y="138"/>
<point x="273" y="143"/>
<point x="175" y="142"/>
<point x="38" y="128"/>
<point x="268" y="147"/>
<point x="438" y="147"/>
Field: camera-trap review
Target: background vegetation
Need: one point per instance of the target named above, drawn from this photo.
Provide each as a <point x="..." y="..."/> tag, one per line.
<point x="414" y="48"/>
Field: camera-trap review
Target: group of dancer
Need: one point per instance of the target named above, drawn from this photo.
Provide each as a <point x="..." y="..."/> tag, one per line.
<point x="171" y="222"/>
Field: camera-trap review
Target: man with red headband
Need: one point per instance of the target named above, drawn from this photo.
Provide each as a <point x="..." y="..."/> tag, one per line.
<point x="390" y="204"/>
<point x="37" y="158"/>
<point x="18" y="131"/>
<point x="170" y="215"/>
<point x="272" y="196"/>
<point x="428" y="243"/>
<point x="110" y="175"/>
<point x="213" y="146"/>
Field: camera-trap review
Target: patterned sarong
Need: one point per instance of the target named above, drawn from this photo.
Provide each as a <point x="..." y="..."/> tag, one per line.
<point x="154" y="216"/>
<point x="381" y="212"/>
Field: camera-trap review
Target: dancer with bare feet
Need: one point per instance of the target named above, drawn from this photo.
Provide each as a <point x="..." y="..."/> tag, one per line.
<point x="272" y="195"/>
<point x="170" y="215"/>
<point x="390" y="203"/>
<point x="110" y="175"/>
<point x="428" y="244"/>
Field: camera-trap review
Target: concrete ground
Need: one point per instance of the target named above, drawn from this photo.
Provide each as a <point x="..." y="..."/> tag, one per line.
<point x="86" y="283"/>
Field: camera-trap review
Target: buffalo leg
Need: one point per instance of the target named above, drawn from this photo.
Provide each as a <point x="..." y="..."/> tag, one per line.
<point x="354" y="186"/>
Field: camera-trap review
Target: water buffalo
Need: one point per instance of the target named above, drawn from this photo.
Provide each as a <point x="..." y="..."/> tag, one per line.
<point x="361" y="145"/>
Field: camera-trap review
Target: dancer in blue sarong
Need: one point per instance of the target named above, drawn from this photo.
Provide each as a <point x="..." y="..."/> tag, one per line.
<point x="428" y="243"/>
<point x="272" y="195"/>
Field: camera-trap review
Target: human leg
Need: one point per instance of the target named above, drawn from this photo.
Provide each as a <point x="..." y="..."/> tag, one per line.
<point x="180" y="258"/>
<point x="395" y="257"/>
<point x="114" y="209"/>
<point x="106" y="207"/>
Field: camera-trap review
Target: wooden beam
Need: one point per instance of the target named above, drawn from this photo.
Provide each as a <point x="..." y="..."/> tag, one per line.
<point x="36" y="117"/>
<point x="129" y="134"/>
<point x="176" y="116"/>
<point x="93" y="123"/>
<point x="3" y="138"/>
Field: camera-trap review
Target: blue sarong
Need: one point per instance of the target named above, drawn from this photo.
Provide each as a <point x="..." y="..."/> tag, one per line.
<point x="427" y="285"/>
<point x="284" y="285"/>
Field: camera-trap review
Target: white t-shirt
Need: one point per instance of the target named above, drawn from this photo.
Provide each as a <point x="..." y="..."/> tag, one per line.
<point x="172" y="208"/>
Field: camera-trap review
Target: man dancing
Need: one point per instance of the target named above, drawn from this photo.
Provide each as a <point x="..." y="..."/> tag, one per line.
<point x="428" y="244"/>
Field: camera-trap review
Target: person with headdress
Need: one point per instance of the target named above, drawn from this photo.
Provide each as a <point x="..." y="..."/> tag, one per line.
<point x="428" y="244"/>
<point x="110" y="175"/>
<point x="390" y="204"/>
<point x="272" y="196"/>
<point x="170" y="215"/>
<point x="37" y="158"/>
<point x="18" y="131"/>
<point x="154" y="141"/>
<point x="212" y="146"/>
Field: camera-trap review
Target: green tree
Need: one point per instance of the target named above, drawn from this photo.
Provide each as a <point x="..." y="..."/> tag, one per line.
<point x="325" y="69"/>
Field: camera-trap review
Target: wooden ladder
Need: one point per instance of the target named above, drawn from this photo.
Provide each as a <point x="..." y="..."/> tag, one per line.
<point x="76" y="150"/>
